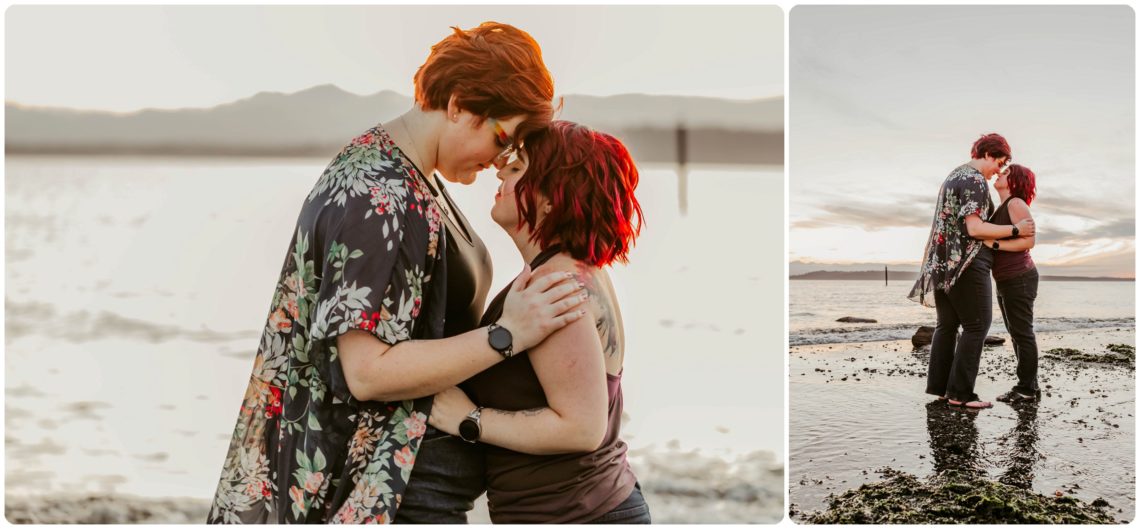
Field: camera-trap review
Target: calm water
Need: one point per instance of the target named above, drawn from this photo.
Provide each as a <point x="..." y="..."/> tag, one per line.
<point x="815" y="305"/>
<point x="857" y="401"/>
<point x="136" y="289"/>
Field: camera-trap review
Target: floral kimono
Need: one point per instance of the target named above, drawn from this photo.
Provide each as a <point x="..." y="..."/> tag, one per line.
<point x="367" y="254"/>
<point x="950" y="249"/>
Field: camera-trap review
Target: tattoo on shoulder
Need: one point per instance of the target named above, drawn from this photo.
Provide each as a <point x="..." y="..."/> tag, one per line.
<point x="606" y="322"/>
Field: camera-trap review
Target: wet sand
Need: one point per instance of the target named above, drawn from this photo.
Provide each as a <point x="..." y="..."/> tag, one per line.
<point x="859" y="415"/>
<point x="680" y="487"/>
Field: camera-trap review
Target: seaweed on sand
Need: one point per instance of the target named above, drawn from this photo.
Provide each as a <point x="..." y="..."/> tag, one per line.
<point x="954" y="498"/>
<point x="1118" y="354"/>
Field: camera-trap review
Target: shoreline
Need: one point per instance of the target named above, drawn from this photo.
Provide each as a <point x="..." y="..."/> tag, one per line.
<point x="859" y="408"/>
<point x="679" y="486"/>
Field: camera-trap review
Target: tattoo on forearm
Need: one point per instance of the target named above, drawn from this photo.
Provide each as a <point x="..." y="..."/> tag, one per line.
<point x="526" y="413"/>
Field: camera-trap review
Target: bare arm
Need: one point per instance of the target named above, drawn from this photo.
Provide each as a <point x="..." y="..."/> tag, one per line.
<point x="980" y="229"/>
<point x="571" y="369"/>
<point x="1018" y="211"/>
<point x="377" y="371"/>
<point x="571" y="366"/>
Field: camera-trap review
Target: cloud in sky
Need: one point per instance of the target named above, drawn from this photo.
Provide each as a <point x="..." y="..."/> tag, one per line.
<point x="886" y="100"/>
<point x="125" y="58"/>
<point x="868" y="215"/>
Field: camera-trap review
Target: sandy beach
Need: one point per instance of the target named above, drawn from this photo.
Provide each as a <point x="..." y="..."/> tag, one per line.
<point x="680" y="487"/>
<point x="859" y="415"/>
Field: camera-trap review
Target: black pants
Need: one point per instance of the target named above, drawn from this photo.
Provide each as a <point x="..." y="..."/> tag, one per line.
<point x="954" y="360"/>
<point x="1015" y="299"/>
<point x="633" y="510"/>
<point x="449" y="475"/>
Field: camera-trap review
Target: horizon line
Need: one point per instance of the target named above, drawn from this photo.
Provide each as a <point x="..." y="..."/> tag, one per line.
<point x="32" y="106"/>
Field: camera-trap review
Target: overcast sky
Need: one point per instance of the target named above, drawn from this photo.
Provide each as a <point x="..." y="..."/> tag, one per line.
<point x="885" y="101"/>
<point x="130" y="57"/>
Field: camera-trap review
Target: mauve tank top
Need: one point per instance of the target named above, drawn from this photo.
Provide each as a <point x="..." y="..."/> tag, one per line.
<point x="564" y="488"/>
<point x="1008" y="265"/>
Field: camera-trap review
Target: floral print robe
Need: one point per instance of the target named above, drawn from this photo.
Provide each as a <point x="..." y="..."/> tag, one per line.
<point x="367" y="254"/>
<point x="950" y="249"/>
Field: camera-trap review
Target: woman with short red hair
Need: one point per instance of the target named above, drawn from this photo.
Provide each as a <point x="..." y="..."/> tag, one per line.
<point x="954" y="275"/>
<point x="379" y="302"/>
<point x="1016" y="277"/>
<point x="551" y="417"/>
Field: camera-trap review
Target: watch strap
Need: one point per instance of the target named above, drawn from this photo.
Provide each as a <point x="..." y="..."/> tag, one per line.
<point x="509" y="350"/>
<point x="475" y="417"/>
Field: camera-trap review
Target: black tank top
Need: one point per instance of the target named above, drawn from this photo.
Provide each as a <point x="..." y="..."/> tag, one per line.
<point x="1008" y="265"/>
<point x="562" y="488"/>
<point x="469" y="271"/>
<point x="428" y="499"/>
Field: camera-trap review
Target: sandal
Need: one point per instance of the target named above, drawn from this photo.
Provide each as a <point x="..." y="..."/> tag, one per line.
<point x="1013" y="397"/>
<point x="972" y="405"/>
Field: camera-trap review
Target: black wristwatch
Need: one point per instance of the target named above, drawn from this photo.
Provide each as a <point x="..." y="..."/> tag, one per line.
<point x="470" y="429"/>
<point x="995" y="246"/>
<point x="501" y="340"/>
<point x="1015" y="231"/>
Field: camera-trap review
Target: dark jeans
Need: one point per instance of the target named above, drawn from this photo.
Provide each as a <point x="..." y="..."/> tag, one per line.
<point x="1015" y="299"/>
<point x="633" y="510"/>
<point x="954" y="360"/>
<point x="449" y="475"/>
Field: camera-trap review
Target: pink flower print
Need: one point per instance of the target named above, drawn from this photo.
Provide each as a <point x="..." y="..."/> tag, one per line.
<point x="291" y="306"/>
<point x="280" y="321"/>
<point x="380" y="199"/>
<point x="298" y="496"/>
<point x="405" y="458"/>
<point x="313" y="482"/>
<point x="416" y="424"/>
<point x="294" y="284"/>
<point x="345" y="514"/>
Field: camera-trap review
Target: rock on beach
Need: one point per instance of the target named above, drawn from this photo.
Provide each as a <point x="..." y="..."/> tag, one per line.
<point x="925" y="334"/>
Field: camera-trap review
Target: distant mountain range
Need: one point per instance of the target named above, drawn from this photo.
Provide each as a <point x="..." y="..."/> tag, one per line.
<point x="318" y="121"/>
<point x="877" y="275"/>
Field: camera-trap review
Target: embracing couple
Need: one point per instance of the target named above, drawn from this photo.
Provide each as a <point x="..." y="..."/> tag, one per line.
<point x="968" y="241"/>
<point x="384" y="389"/>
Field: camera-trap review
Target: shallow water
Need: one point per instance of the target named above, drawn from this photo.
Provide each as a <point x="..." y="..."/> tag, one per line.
<point x="814" y="305"/>
<point x="857" y="408"/>
<point x="137" y="287"/>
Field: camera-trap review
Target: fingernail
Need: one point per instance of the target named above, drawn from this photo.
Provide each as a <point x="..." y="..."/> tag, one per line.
<point x="581" y="285"/>
<point x="584" y="295"/>
<point x="581" y="313"/>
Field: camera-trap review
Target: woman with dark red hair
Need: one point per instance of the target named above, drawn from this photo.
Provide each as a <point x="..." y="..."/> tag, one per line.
<point x="1016" y="277"/>
<point x="551" y="417"/>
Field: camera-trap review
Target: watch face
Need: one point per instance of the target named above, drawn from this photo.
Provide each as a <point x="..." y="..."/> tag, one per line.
<point x="469" y="430"/>
<point x="500" y="339"/>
